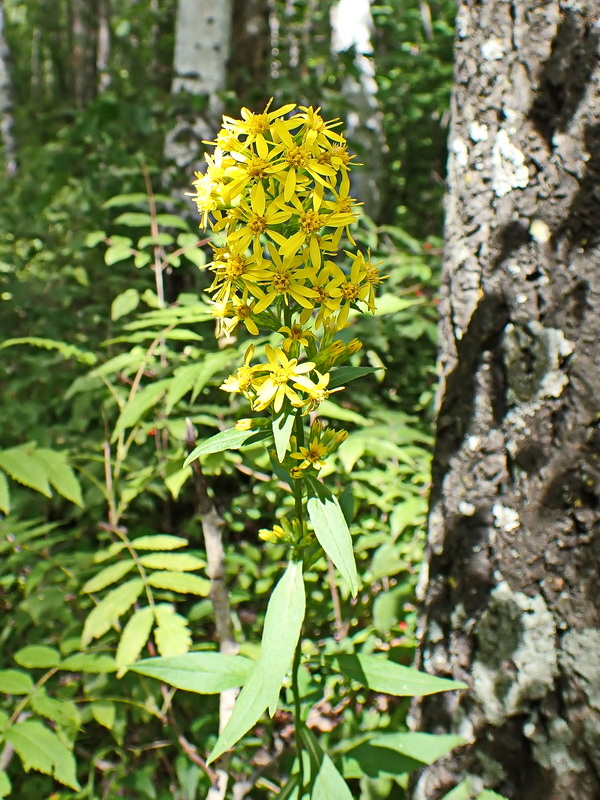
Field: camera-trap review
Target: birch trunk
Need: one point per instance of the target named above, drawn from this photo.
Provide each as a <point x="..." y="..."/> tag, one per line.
<point x="351" y="28"/>
<point x="511" y="599"/>
<point x="202" y="50"/>
<point x="9" y="145"/>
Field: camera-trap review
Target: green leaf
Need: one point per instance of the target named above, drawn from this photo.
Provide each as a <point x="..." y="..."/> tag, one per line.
<point x="41" y="749"/>
<point x="160" y="240"/>
<point x="231" y="439"/>
<point x="136" y="407"/>
<point x="283" y="623"/>
<point x="134" y="219"/>
<point x="195" y="255"/>
<point x="126" y="200"/>
<point x="63" y="712"/>
<point x="135" y="635"/>
<point x="327" y="783"/>
<point x="104" y="712"/>
<point x="175" y="480"/>
<point x="94" y="238"/>
<point x="487" y="794"/>
<point x="89" y="663"/>
<point x="116" y="253"/>
<point x="194" y="376"/>
<point x="382" y="675"/>
<point x="289" y="791"/>
<point x="329" y="409"/>
<point x="204" y="673"/>
<point x="331" y="530"/>
<point x="159" y="541"/>
<point x="141" y="259"/>
<point x="461" y="792"/>
<point x="423" y="747"/>
<point x="13" y="681"/>
<point x="5" y="784"/>
<point x="172" y="634"/>
<point x="282" y="430"/>
<point x="181" y="582"/>
<point x="4" y="494"/>
<point x="174" y="562"/>
<point x="37" y="656"/>
<point x="376" y="762"/>
<point x="65" y="350"/>
<point x="108" y="611"/>
<point x="108" y="575"/>
<point x="60" y="475"/>
<point x="124" y="303"/>
<point x="22" y="464"/>
<point x="171" y="221"/>
<point x="343" y="375"/>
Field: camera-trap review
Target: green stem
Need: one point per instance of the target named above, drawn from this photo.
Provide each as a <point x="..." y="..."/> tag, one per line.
<point x="298" y="715"/>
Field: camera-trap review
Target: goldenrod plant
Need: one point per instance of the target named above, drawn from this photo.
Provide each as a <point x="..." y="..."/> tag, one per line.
<point x="276" y="193"/>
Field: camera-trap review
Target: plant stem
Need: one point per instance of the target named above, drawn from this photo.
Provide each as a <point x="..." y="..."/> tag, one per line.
<point x="298" y="715"/>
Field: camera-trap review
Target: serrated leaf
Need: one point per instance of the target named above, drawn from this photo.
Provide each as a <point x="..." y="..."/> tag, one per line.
<point x="5" y="784"/>
<point x="174" y="562"/>
<point x="124" y="303"/>
<point x="22" y="464"/>
<point x="343" y="375"/>
<point x="65" y="350"/>
<point x="231" y="439"/>
<point x="61" y="475"/>
<point x="136" y="407"/>
<point x="37" y="656"/>
<point x="283" y="623"/>
<point x="135" y="635"/>
<point x="89" y="663"/>
<point x="63" y="712"/>
<point x="382" y="675"/>
<point x="158" y="541"/>
<point x="13" y="681"/>
<point x="203" y="673"/>
<point x="134" y="219"/>
<point x="181" y="582"/>
<point x="104" y="712"/>
<point x="282" y="430"/>
<point x="172" y="634"/>
<point x="108" y="575"/>
<point x="4" y="494"/>
<point x="327" y="783"/>
<point x="331" y="530"/>
<point x="108" y="611"/>
<point x="41" y="749"/>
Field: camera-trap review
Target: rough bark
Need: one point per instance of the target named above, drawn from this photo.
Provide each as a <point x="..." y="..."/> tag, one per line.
<point x="511" y="598"/>
<point x="351" y="28"/>
<point x="7" y="136"/>
<point x="202" y="50"/>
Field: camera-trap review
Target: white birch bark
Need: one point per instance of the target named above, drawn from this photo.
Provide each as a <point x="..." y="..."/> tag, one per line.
<point x="202" y="49"/>
<point x="6" y="104"/>
<point x="351" y="27"/>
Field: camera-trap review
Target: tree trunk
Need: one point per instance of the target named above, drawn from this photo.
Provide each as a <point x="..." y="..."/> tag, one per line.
<point x="103" y="47"/>
<point x="202" y="49"/>
<point x="7" y="136"/>
<point x="351" y="28"/>
<point x="511" y="598"/>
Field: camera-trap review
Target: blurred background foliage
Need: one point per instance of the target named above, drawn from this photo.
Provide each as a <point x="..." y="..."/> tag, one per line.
<point x="91" y="344"/>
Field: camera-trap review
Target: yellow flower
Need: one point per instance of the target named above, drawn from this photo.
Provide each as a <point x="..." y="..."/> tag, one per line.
<point x="234" y="270"/>
<point x="287" y="280"/>
<point x="244" y="380"/>
<point x="315" y="127"/>
<point x="274" y="389"/>
<point x="255" y="219"/>
<point x="255" y="126"/>
<point x="296" y="335"/>
<point x="312" y="456"/>
<point x="317" y="392"/>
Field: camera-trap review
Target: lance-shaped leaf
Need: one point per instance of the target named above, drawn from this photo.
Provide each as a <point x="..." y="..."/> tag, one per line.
<point x="172" y="634"/>
<point x="41" y="749"/>
<point x="331" y="530"/>
<point x="134" y="637"/>
<point x="108" y="611"/>
<point x="231" y="439"/>
<point x="204" y="673"/>
<point x="382" y="675"/>
<point x="282" y="430"/>
<point x="343" y="375"/>
<point x="37" y="656"/>
<point x="326" y="781"/>
<point x="283" y="623"/>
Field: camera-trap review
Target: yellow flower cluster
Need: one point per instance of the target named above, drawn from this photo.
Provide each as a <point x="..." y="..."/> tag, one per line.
<point x="277" y="187"/>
